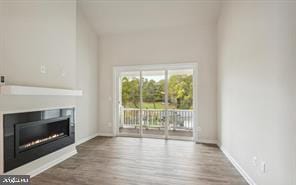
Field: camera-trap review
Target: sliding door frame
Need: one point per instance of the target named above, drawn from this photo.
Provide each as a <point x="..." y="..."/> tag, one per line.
<point x="117" y="70"/>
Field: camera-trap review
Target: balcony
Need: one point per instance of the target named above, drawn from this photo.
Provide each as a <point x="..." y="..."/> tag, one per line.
<point x="180" y="124"/>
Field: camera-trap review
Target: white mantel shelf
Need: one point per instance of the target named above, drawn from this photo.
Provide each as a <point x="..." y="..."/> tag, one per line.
<point x="37" y="91"/>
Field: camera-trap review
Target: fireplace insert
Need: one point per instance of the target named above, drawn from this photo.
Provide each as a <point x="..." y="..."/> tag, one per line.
<point x="29" y="136"/>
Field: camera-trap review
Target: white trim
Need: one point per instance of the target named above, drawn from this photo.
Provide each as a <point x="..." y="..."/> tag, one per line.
<point x="115" y="101"/>
<point x="106" y="134"/>
<point x="37" y="91"/>
<point x="195" y="102"/>
<point x="237" y="166"/>
<point x="83" y="140"/>
<point x="166" y="87"/>
<point x="38" y="109"/>
<point x="177" y="66"/>
<point x="52" y="163"/>
<point x="155" y="67"/>
<point x="207" y="141"/>
<point x="141" y="103"/>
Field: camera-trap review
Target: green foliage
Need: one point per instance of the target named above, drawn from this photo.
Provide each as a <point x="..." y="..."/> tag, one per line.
<point x="180" y="91"/>
<point x="153" y="93"/>
<point x="151" y="105"/>
<point x="131" y="92"/>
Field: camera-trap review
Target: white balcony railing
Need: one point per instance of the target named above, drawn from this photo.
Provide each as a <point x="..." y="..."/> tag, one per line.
<point x="156" y="118"/>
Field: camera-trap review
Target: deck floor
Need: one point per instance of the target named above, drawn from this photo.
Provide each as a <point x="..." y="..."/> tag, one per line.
<point x="142" y="161"/>
<point x="186" y="134"/>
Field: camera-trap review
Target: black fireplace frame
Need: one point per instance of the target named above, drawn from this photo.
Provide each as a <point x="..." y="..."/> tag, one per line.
<point x="13" y="157"/>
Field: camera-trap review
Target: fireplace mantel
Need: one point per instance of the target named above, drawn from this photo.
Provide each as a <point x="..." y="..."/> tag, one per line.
<point x="37" y="91"/>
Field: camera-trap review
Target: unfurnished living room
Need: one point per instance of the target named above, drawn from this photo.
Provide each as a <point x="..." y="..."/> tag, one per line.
<point x="148" y="92"/>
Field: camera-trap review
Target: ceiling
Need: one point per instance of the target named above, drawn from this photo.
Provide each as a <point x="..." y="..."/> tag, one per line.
<point x="125" y="16"/>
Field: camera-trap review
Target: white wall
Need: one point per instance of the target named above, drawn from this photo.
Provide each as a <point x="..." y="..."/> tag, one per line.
<point x="40" y="33"/>
<point x="35" y="33"/>
<point x="257" y="89"/>
<point x="174" y="45"/>
<point x="87" y="78"/>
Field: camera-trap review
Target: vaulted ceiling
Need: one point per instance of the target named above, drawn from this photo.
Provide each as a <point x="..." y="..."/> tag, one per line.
<point x="124" y="16"/>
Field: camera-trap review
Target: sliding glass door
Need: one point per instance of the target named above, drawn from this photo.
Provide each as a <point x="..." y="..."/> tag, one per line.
<point x="153" y="103"/>
<point x="180" y="95"/>
<point x="156" y="103"/>
<point x="129" y="103"/>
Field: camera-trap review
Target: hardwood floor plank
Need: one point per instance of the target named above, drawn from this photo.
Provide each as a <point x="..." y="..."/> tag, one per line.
<point x="141" y="161"/>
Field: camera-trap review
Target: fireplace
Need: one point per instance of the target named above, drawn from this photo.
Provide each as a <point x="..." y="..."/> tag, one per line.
<point x="32" y="134"/>
<point x="29" y="136"/>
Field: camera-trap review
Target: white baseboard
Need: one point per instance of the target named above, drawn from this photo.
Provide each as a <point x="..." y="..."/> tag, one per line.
<point x="106" y="134"/>
<point x="39" y="165"/>
<point x="83" y="140"/>
<point x="52" y="163"/>
<point x="207" y="141"/>
<point x="237" y="166"/>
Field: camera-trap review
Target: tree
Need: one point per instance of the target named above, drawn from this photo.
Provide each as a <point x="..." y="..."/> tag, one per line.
<point x="130" y="92"/>
<point x="180" y="91"/>
<point x="153" y="91"/>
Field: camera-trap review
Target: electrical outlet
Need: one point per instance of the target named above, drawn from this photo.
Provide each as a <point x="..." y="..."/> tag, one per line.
<point x="43" y="69"/>
<point x="63" y="72"/>
<point x="254" y="161"/>
<point x="263" y="167"/>
<point x="2" y="80"/>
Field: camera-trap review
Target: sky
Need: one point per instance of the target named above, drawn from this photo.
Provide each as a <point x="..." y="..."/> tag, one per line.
<point x="155" y="75"/>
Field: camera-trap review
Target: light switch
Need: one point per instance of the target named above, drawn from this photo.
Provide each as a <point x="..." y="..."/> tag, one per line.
<point x="254" y="161"/>
<point x="43" y="69"/>
<point x="263" y="167"/>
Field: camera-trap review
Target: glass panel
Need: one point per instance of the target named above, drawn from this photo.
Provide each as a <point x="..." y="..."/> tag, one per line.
<point x="153" y="105"/>
<point x="180" y="103"/>
<point x="129" y="105"/>
<point x="33" y="134"/>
